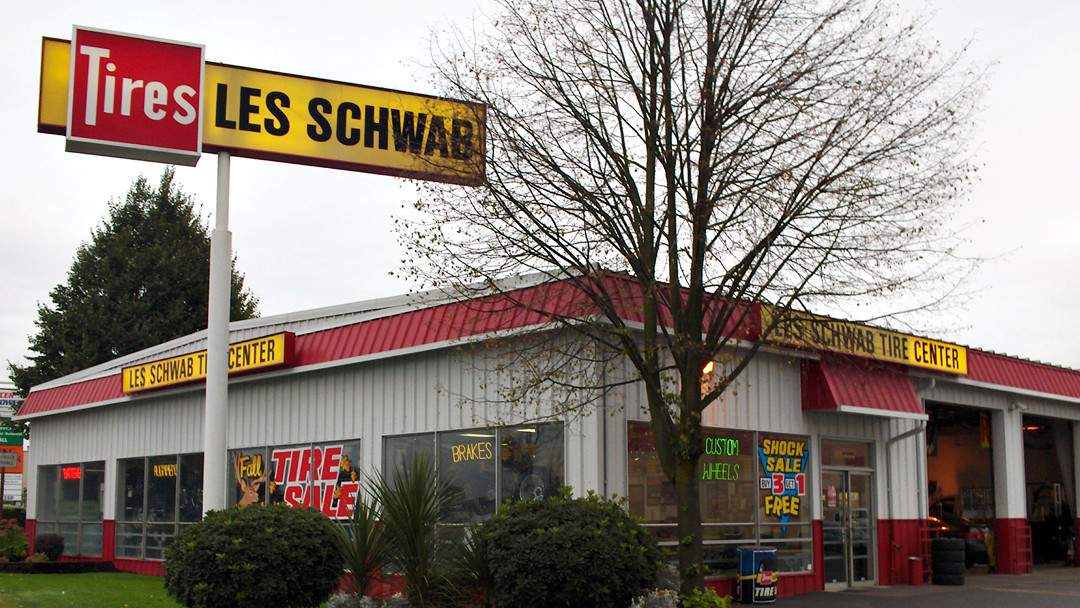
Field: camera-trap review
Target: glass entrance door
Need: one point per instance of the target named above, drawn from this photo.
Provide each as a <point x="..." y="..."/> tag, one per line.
<point x="848" y="525"/>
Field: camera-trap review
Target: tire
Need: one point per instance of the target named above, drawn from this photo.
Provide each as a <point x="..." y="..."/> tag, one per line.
<point x="950" y="556"/>
<point x="947" y="579"/>
<point x="947" y="544"/>
<point x="949" y="568"/>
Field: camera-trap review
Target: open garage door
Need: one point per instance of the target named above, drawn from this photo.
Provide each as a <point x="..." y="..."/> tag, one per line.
<point x="960" y="477"/>
<point x="1048" y="469"/>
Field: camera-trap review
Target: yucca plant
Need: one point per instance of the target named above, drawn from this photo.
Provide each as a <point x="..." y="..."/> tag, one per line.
<point x="472" y="575"/>
<point x="362" y="545"/>
<point x="413" y="504"/>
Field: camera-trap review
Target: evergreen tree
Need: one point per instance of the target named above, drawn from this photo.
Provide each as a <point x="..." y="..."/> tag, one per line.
<point x="143" y="279"/>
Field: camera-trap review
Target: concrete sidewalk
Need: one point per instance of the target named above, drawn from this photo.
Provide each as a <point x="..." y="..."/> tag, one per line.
<point x="1051" y="586"/>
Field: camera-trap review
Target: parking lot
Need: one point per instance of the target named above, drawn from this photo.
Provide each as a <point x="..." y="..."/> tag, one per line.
<point x="1051" y="586"/>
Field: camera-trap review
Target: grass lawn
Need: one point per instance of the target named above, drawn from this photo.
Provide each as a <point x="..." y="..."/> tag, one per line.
<point x="91" y="590"/>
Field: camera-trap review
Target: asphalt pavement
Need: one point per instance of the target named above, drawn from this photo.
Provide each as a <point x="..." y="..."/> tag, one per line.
<point x="1052" y="586"/>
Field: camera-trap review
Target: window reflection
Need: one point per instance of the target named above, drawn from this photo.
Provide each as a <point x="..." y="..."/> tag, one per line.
<point x="155" y="494"/>
<point x="485" y="467"/>
<point x="69" y="498"/>
<point x="467" y="466"/>
<point x="753" y="482"/>
<point x="531" y="462"/>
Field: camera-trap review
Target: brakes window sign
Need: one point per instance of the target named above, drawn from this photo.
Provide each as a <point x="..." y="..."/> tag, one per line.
<point x="135" y="97"/>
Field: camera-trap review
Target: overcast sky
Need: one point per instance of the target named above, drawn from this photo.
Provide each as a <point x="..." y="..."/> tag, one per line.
<point x="308" y="237"/>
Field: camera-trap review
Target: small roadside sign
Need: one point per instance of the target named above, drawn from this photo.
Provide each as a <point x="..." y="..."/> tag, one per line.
<point x="12" y="456"/>
<point x="9" y="436"/>
<point x="9" y="460"/>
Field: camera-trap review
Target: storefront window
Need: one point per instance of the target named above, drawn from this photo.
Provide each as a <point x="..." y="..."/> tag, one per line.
<point x="835" y="453"/>
<point x="133" y="472"/>
<point x="727" y="484"/>
<point x="324" y="476"/>
<point x="467" y="464"/>
<point x="488" y="466"/>
<point x="752" y="488"/>
<point x="157" y="494"/>
<point x="191" y="482"/>
<point x="399" y="451"/>
<point x="161" y="489"/>
<point x="69" y="504"/>
<point x="47" y="486"/>
<point x="531" y="462"/>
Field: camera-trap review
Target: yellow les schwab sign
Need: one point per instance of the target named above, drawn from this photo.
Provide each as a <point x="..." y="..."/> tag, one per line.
<point x="251" y="355"/>
<point x="308" y="121"/>
<point x="864" y="341"/>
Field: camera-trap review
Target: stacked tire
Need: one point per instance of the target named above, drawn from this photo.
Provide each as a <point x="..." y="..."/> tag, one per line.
<point x="948" y="561"/>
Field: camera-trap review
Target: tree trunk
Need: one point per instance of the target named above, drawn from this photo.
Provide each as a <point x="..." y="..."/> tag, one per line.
<point x="691" y="553"/>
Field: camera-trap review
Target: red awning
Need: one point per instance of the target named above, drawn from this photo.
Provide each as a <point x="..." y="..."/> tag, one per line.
<point x="849" y="386"/>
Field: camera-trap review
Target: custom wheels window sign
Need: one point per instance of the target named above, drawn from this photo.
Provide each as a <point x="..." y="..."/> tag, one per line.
<point x="134" y="97"/>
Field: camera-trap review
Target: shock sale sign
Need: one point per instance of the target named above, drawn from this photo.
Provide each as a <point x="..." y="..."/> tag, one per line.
<point x="783" y="477"/>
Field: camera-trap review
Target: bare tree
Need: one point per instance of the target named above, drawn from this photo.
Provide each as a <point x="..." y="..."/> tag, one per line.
<point x="799" y="153"/>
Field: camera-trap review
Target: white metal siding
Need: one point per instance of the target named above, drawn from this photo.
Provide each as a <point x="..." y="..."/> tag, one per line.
<point x="168" y="425"/>
<point x="450" y="388"/>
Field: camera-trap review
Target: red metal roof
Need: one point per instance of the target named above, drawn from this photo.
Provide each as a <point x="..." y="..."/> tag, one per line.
<point x="832" y="384"/>
<point x="538" y="305"/>
<point x="385" y="334"/>
<point x="1018" y="373"/>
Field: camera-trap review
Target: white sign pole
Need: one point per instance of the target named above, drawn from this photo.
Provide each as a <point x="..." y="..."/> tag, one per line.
<point x="216" y="416"/>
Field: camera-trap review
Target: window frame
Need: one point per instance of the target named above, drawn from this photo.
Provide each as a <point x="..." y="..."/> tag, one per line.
<point x="82" y="524"/>
<point x="145" y="522"/>
<point x="500" y="432"/>
<point x="805" y="528"/>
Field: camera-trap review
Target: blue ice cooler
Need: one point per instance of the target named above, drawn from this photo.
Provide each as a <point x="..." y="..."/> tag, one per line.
<point x="757" y="575"/>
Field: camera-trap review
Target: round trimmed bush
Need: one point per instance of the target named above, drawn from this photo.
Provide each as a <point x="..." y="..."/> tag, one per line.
<point x="254" y="556"/>
<point x="584" y="552"/>
<point x="52" y="545"/>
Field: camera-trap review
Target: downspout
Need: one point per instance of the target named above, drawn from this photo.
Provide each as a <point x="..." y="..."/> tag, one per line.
<point x="603" y="429"/>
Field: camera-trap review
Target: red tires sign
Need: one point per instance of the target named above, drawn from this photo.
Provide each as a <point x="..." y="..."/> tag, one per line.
<point x="135" y="97"/>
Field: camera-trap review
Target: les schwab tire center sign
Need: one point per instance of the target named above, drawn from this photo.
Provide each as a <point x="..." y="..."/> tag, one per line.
<point x="135" y="97"/>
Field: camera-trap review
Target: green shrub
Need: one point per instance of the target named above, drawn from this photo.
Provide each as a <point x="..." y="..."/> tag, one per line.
<point x="52" y="545"/>
<point x="585" y="552"/>
<point x="16" y="513"/>
<point x="472" y="576"/>
<point x="705" y="599"/>
<point x="38" y="558"/>
<point x="254" y="556"/>
<point x="13" y="545"/>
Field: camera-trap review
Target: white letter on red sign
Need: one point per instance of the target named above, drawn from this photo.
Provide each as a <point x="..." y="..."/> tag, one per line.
<point x="155" y="95"/>
<point x="189" y="111"/>
<point x="95" y="54"/>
